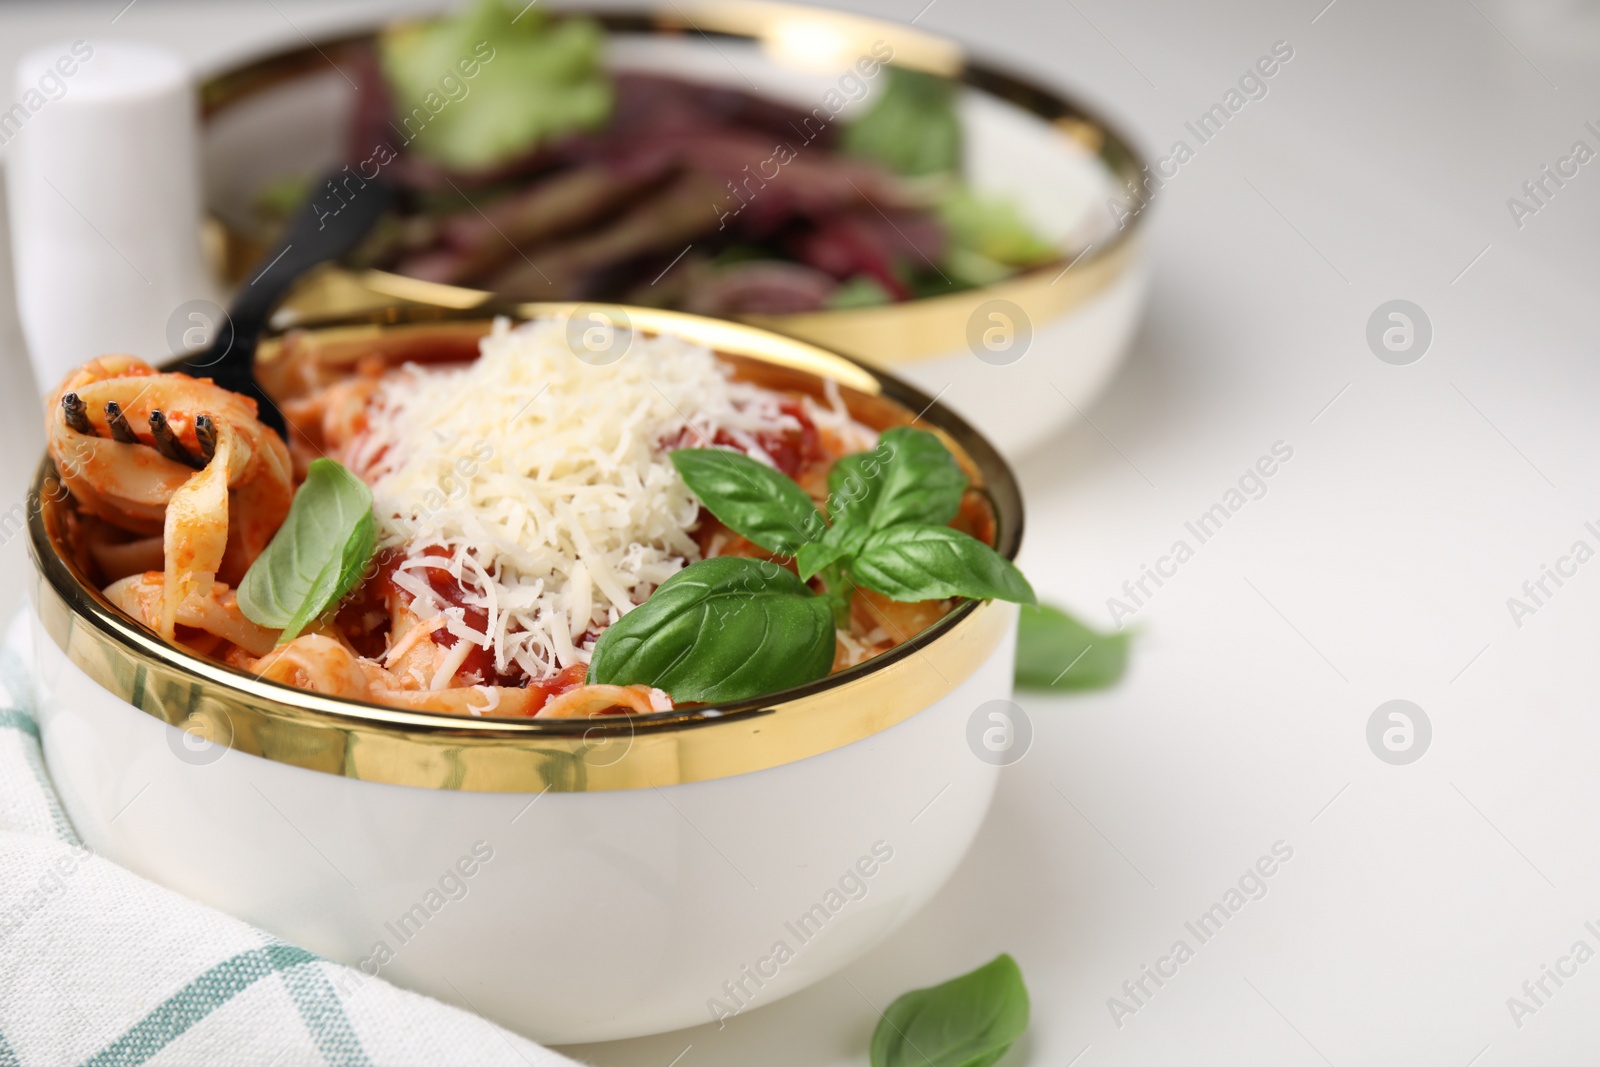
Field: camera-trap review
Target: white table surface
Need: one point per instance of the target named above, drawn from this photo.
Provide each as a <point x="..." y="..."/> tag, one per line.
<point x="1418" y="499"/>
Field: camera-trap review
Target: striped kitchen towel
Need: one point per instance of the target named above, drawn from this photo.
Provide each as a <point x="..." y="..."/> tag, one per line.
<point x="100" y="967"/>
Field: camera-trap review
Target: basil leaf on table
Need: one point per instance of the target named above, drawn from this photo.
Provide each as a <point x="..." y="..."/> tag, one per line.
<point x="751" y="498"/>
<point x="317" y="555"/>
<point x="909" y="477"/>
<point x="1056" y="651"/>
<point x="968" y="1021"/>
<point x="726" y="628"/>
<point x="919" y="562"/>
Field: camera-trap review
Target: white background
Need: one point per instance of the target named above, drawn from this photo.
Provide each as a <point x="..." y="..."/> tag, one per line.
<point x="1378" y="565"/>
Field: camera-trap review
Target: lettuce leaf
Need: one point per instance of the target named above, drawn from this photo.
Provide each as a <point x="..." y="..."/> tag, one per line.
<point x="989" y="238"/>
<point x="487" y="85"/>
<point x="913" y="129"/>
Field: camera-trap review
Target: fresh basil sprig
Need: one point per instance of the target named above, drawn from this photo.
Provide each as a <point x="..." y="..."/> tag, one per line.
<point x="887" y="514"/>
<point x="1057" y="652"/>
<point x="725" y="628"/>
<point x="968" y="1021"/>
<point x="729" y="628"/>
<point x="317" y="555"/>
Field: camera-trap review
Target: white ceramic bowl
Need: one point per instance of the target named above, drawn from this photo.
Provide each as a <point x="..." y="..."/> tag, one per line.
<point x="573" y="880"/>
<point x="1019" y="358"/>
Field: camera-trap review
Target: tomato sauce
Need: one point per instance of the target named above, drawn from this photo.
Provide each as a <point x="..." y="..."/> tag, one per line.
<point x="791" y="450"/>
<point x="363" y="617"/>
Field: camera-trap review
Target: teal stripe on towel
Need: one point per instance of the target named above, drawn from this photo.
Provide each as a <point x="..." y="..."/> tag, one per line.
<point x="19" y="720"/>
<point x="324" y="1016"/>
<point x="8" y="1058"/>
<point x="191" y="1004"/>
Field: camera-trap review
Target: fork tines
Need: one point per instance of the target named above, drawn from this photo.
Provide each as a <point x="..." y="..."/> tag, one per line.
<point x="167" y="442"/>
<point x="205" y="431"/>
<point x="120" y="430"/>
<point x="76" y="412"/>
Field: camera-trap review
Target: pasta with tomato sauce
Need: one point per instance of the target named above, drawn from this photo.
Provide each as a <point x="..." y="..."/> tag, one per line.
<point x="523" y="501"/>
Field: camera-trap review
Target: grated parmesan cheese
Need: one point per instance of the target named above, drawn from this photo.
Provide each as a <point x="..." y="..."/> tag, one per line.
<point x="541" y="484"/>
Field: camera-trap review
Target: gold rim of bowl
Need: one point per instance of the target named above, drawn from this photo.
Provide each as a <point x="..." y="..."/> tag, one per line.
<point x="376" y="743"/>
<point x="887" y="335"/>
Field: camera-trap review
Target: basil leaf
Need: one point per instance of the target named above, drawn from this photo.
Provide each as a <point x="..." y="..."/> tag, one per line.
<point x="813" y="557"/>
<point x="968" y="1021"/>
<point x="337" y="578"/>
<point x="317" y="555"/>
<point x="918" y="562"/>
<point x="721" y="629"/>
<point x="1056" y="651"/>
<point x="751" y="498"/>
<point x="839" y="543"/>
<point x="909" y="477"/>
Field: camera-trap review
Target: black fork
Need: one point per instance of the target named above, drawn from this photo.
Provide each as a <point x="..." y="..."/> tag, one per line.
<point x="327" y="227"/>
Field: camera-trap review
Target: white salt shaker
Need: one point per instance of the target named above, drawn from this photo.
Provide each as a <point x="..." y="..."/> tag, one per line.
<point x="103" y="179"/>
